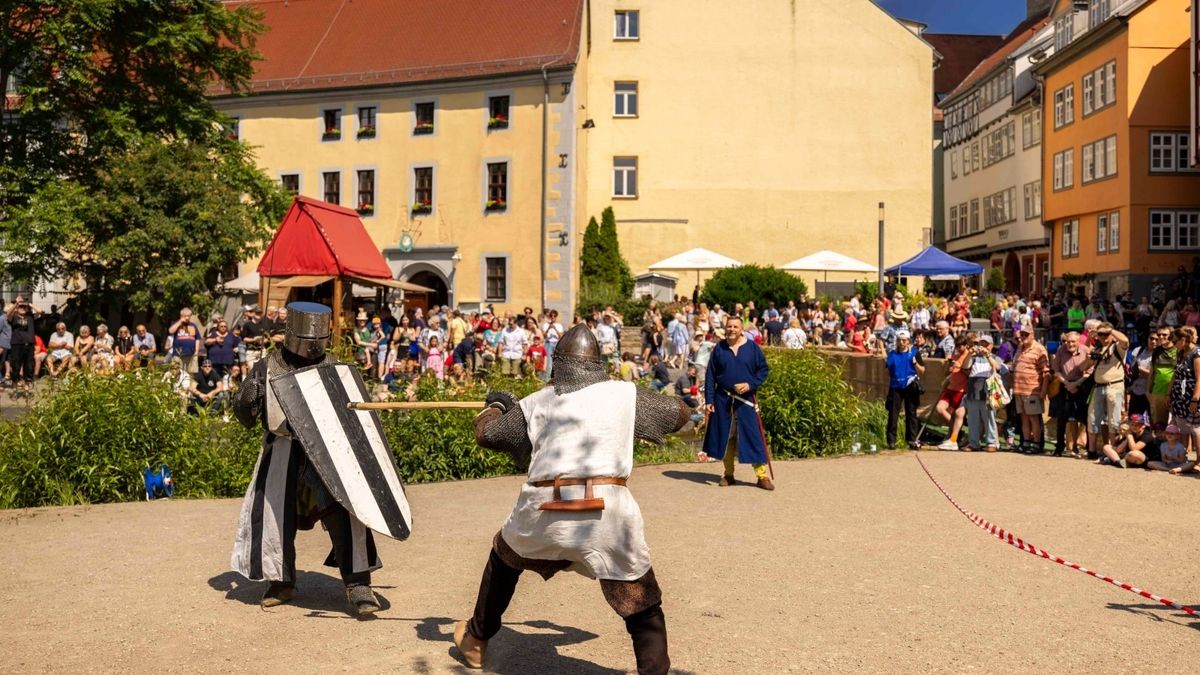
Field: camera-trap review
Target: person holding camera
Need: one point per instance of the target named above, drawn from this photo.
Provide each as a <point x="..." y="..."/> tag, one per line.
<point x="979" y="365"/>
<point x="21" y="323"/>
<point x="1107" y="359"/>
<point x="905" y="367"/>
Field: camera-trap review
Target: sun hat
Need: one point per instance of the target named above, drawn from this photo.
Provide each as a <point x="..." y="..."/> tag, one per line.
<point x="361" y="316"/>
<point x="1172" y="429"/>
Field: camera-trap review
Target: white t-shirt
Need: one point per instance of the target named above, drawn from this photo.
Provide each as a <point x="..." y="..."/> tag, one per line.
<point x="794" y="338"/>
<point x="61" y="341"/>
<point x="512" y="343"/>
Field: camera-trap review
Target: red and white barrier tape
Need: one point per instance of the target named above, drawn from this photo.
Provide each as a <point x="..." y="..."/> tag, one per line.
<point x="1009" y="538"/>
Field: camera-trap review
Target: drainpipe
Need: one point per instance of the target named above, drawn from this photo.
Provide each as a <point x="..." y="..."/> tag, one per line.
<point x="545" y="146"/>
<point x="1041" y="100"/>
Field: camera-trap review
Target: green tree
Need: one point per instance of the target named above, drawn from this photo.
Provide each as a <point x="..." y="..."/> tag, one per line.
<point x="995" y="280"/>
<point x="751" y="282"/>
<point x="615" y="267"/>
<point x="590" y="256"/>
<point x="115" y="170"/>
<point x="154" y="229"/>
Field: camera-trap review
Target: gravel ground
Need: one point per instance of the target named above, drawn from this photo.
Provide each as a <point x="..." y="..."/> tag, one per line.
<point x="852" y="564"/>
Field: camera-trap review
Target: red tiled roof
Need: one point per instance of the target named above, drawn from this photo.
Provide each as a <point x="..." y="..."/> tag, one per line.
<point x="1019" y="36"/>
<point x="960" y="53"/>
<point x="325" y="44"/>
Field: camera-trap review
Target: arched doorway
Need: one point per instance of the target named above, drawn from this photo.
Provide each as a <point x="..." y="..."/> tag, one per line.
<point x="440" y="294"/>
<point x="1012" y="273"/>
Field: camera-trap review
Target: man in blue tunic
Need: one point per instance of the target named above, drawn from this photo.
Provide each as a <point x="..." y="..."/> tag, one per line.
<point x="736" y="369"/>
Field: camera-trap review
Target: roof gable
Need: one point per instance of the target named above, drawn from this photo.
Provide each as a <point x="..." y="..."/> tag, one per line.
<point x="1013" y="41"/>
<point x="327" y="44"/>
<point x="322" y="239"/>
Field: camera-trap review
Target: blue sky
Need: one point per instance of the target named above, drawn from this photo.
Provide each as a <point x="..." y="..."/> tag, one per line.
<point x="985" y="17"/>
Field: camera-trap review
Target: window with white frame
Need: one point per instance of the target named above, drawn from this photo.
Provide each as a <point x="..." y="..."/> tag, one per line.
<point x="1070" y="238"/>
<point x="975" y="155"/>
<point x="966" y="157"/>
<point x="962" y="218"/>
<point x="1031" y="129"/>
<point x="366" y="192"/>
<point x="1089" y="85"/>
<point x="953" y="164"/>
<point x="1169" y="151"/>
<point x="1110" y="83"/>
<point x="953" y="221"/>
<point x="1068" y="167"/>
<point x="1187" y="229"/>
<point x="1162" y="230"/>
<point x="1099" y="159"/>
<point x="1114" y="231"/>
<point x="1097" y="12"/>
<point x="625" y="99"/>
<point x="1058" y="171"/>
<point x="1100" y="88"/>
<point x="1102" y="233"/>
<point x="1069" y="103"/>
<point x="1064" y="31"/>
<point x="974" y="215"/>
<point x="625" y="177"/>
<point x="1033" y="199"/>
<point x="626" y="24"/>
<point x="1162" y="151"/>
<point x="1059" y="116"/>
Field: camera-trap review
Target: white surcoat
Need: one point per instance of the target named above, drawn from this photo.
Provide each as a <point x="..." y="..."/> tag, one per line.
<point x="583" y="434"/>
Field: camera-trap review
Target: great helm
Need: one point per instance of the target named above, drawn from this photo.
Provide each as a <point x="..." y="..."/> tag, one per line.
<point x="307" y="333"/>
<point x="578" y="343"/>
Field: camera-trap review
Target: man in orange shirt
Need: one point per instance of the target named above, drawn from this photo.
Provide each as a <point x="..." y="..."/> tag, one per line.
<point x="1031" y="377"/>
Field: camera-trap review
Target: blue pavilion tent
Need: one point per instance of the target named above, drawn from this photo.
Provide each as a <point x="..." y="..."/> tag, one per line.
<point x="934" y="262"/>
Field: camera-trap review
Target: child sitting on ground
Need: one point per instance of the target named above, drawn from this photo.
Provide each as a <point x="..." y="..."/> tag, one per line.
<point x="1174" y="454"/>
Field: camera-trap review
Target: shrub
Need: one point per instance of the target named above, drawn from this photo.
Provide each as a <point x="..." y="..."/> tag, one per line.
<point x="809" y="410"/>
<point x="90" y="440"/>
<point x="763" y="285"/>
<point x="995" y="280"/>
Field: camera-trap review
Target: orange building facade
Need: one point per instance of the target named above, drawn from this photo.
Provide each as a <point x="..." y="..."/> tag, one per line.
<point x="1120" y="198"/>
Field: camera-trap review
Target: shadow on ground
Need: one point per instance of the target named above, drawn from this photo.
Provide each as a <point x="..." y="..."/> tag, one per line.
<point x="693" y="476"/>
<point x="1160" y="613"/>
<point x="323" y="595"/>
<point x="528" y="647"/>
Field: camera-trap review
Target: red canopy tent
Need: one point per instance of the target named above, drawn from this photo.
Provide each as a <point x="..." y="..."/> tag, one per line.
<point x="317" y="242"/>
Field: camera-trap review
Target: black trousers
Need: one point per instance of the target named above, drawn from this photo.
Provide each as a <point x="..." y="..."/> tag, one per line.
<point x="909" y="399"/>
<point x="646" y="625"/>
<point x="336" y="520"/>
<point x="21" y="360"/>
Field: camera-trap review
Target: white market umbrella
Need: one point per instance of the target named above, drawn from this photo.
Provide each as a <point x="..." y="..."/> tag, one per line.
<point x="828" y="261"/>
<point x="696" y="259"/>
<point x="246" y="283"/>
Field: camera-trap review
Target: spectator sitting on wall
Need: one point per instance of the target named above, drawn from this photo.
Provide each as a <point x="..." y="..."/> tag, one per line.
<point x="206" y="388"/>
<point x="686" y="388"/>
<point x="662" y="376"/>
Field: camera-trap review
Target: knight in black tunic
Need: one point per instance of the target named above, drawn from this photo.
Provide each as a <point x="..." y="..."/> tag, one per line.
<point x="286" y="493"/>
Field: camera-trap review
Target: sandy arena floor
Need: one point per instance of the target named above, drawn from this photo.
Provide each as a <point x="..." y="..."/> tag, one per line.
<point x="852" y="564"/>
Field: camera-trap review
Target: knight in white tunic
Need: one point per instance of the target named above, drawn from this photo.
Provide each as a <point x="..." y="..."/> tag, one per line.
<point x="575" y="511"/>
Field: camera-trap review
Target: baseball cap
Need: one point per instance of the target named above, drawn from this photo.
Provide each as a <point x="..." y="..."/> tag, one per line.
<point x="1137" y="419"/>
<point x="986" y="338"/>
<point x="206" y="363"/>
<point x="903" y="335"/>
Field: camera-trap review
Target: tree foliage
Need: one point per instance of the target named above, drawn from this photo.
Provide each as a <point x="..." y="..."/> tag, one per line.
<point x="604" y="274"/>
<point x="115" y="170"/>
<point x="995" y="280"/>
<point x="752" y="282"/>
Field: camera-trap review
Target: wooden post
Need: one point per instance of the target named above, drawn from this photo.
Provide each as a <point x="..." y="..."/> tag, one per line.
<point x="337" y="311"/>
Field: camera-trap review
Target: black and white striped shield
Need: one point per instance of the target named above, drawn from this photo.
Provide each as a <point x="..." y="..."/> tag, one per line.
<point x="347" y="447"/>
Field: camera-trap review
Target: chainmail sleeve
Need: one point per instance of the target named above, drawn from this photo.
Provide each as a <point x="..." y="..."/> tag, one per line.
<point x="658" y="415"/>
<point x="250" y="398"/>
<point x="505" y="432"/>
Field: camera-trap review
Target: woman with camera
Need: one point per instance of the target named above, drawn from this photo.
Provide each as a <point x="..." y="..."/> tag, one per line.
<point x="1185" y="396"/>
<point x="979" y="365"/>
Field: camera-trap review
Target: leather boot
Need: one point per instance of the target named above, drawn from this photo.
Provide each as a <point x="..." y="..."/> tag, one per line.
<point x="648" y="628"/>
<point x="362" y="599"/>
<point x="278" y="593"/>
<point x="765" y="483"/>
<point x="472" y="649"/>
<point x="726" y="481"/>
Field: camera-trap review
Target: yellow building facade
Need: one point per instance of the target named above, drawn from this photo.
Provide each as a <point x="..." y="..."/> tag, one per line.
<point x="765" y="139"/>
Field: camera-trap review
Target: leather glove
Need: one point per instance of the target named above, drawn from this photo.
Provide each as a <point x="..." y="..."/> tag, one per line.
<point x="503" y="400"/>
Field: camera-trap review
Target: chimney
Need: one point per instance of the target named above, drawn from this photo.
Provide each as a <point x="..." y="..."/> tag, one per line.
<point x="1037" y="7"/>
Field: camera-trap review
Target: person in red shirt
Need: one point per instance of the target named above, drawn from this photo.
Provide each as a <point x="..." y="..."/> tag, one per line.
<point x="535" y="356"/>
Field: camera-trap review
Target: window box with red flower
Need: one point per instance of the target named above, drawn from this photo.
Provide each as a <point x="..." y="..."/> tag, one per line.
<point x="366" y="209"/>
<point x="496" y="205"/>
<point x="332" y="134"/>
<point x="367" y="131"/>
<point x="498" y="122"/>
<point x="422" y="208"/>
<point x="423" y="128"/>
